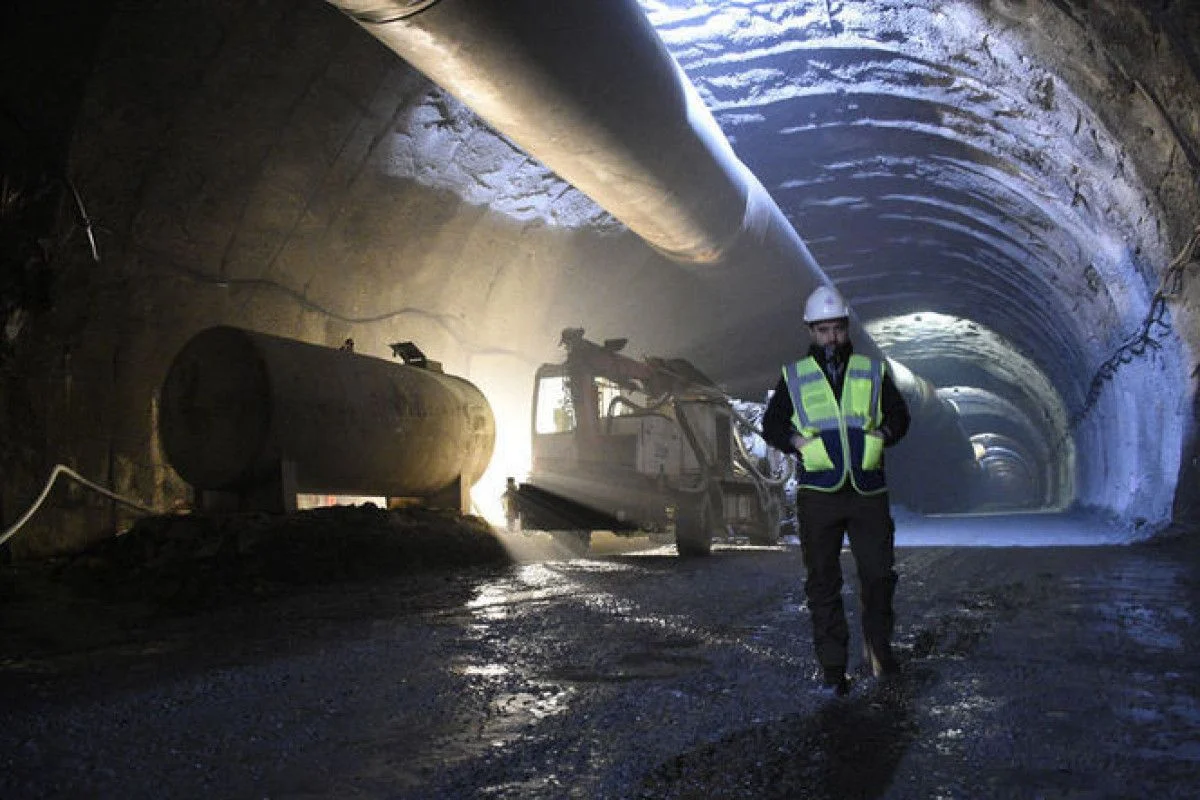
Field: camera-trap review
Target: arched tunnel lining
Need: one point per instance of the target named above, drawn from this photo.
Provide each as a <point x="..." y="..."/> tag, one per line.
<point x="1008" y="474"/>
<point x="997" y="380"/>
<point x="248" y="231"/>
<point x="995" y="424"/>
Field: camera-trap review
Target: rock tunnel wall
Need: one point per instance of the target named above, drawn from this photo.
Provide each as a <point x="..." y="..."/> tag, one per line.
<point x="1138" y="67"/>
<point x="273" y="167"/>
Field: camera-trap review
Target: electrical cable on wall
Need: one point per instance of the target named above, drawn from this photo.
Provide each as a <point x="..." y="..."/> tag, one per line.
<point x="446" y="321"/>
<point x="61" y="469"/>
<point x="1153" y="327"/>
<point x="84" y="219"/>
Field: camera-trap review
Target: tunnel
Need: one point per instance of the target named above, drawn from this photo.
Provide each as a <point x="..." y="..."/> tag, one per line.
<point x="1007" y="192"/>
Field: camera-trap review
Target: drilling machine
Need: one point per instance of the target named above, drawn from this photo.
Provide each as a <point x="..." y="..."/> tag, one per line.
<point x="643" y="446"/>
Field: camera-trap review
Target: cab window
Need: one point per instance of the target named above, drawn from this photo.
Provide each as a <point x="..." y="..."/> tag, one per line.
<point x="555" y="413"/>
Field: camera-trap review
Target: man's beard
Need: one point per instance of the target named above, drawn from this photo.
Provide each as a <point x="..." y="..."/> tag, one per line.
<point x="837" y="353"/>
<point x="836" y="356"/>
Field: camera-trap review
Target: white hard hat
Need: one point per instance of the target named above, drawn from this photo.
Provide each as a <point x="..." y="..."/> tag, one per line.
<point x="825" y="303"/>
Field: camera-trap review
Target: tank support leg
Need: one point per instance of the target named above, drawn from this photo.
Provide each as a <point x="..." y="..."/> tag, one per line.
<point x="456" y="496"/>
<point x="276" y="495"/>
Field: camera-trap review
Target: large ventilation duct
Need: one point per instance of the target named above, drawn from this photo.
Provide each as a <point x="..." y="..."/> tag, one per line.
<point x="589" y="89"/>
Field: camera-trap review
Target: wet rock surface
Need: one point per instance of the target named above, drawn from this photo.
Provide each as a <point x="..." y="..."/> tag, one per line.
<point x="1027" y="672"/>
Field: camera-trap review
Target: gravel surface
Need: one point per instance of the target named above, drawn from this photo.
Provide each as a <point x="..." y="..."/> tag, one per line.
<point x="278" y="670"/>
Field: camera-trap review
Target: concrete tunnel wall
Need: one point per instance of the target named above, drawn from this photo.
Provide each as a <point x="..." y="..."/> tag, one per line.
<point x="274" y="167"/>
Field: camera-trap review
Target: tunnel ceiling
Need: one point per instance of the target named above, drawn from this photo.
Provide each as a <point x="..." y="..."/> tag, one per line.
<point x="998" y="163"/>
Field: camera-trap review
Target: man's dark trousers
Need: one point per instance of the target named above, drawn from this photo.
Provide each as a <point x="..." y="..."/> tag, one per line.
<point x="824" y="517"/>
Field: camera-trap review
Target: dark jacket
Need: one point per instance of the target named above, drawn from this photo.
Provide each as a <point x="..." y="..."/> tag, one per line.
<point x="777" y="421"/>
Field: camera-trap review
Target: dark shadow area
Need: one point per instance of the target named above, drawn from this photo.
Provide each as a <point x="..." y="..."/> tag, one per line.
<point x="196" y="562"/>
<point x="849" y="748"/>
<point x="173" y="582"/>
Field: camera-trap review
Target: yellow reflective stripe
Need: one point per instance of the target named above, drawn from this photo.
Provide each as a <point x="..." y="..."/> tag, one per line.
<point x="816" y="407"/>
<point x="816" y="457"/>
<point x="808" y="367"/>
<point x="860" y="393"/>
<point x="820" y="406"/>
<point x="794" y="382"/>
<point x="872" y="451"/>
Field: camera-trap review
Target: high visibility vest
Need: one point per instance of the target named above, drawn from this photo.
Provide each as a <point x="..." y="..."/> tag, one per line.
<point x="840" y="449"/>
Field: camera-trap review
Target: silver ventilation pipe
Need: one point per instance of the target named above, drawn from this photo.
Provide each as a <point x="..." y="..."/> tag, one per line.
<point x="588" y="88"/>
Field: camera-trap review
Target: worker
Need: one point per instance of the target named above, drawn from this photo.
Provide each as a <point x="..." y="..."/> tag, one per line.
<point x="836" y="411"/>
<point x="510" y="499"/>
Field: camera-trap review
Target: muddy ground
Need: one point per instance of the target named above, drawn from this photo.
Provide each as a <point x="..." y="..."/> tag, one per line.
<point x="357" y="653"/>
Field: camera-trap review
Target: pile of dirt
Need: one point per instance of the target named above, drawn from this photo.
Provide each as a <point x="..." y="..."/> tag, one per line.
<point x="196" y="560"/>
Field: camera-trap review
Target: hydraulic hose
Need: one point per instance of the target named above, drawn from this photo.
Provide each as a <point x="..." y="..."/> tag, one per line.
<point x="61" y="469"/>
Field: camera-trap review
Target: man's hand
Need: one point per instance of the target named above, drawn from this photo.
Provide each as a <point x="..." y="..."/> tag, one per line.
<point x="799" y="442"/>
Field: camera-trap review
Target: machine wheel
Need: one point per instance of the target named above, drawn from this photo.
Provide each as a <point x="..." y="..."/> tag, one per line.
<point x="693" y="527"/>
<point x="577" y="543"/>
<point x="765" y="527"/>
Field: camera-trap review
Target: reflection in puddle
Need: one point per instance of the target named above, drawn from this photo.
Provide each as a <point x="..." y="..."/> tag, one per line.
<point x="530" y="583"/>
<point x="1138" y="602"/>
<point x="518" y="701"/>
<point x="530" y="586"/>
<point x="486" y="670"/>
<point x="970" y="712"/>
<point x="536" y="704"/>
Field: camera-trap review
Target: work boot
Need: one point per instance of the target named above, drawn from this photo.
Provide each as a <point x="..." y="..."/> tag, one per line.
<point x="881" y="660"/>
<point x="835" y="683"/>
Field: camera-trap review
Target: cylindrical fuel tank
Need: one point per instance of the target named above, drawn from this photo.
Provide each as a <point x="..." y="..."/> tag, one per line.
<point x="235" y="404"/>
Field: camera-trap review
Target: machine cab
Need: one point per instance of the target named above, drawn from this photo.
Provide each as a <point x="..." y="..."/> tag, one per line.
<point x="582" y="420"/>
